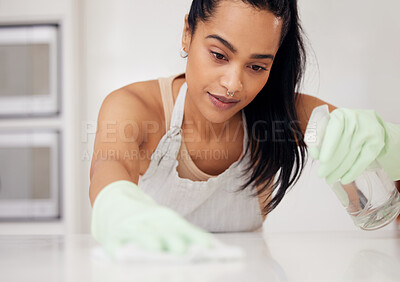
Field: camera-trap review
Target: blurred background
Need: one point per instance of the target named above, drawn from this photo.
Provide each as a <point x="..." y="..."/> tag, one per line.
<point x="60" y="58"/>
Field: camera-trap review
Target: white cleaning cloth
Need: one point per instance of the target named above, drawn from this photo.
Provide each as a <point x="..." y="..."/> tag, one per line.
<point x="133" y="253"/>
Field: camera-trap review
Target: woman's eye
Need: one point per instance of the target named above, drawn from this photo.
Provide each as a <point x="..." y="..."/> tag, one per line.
<point x="257" y="68"/>
<point x="218" y="56"/>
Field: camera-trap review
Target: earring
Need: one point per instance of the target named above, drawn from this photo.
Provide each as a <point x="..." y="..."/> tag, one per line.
<point x="183" y="53"/>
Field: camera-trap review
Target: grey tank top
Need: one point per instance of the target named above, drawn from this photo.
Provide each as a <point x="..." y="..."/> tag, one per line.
<point x="214" y="205"/>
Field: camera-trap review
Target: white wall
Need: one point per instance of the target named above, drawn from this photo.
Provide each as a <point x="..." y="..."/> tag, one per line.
<point x="356" y="44"/>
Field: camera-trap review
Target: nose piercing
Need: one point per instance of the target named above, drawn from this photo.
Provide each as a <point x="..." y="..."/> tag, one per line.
<point x="227" y="93"/>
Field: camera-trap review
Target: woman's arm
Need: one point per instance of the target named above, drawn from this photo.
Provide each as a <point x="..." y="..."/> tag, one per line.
<point x="122" y="212"/>
<point x="118" y="132"/>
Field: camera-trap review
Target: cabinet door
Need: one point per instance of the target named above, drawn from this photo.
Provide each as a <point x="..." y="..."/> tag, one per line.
<point x="29" y="186"/>
<point x="28" y="70"/>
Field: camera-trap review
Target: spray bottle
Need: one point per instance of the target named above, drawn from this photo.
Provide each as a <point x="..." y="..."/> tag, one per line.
<point x="371" y="200"/>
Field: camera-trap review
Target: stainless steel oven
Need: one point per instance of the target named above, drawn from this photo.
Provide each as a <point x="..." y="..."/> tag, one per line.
<point x="29" y="63"/>
<point x="29" y="175"/>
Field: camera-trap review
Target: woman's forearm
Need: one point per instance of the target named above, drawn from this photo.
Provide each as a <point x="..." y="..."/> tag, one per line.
<point x="106" y="172"/>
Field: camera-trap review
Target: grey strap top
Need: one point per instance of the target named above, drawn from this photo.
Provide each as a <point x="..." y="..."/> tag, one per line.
<point x="213" y="205"/>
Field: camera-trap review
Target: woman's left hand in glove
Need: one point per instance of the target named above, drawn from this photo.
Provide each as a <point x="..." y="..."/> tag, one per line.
<point x="353" y="139"/>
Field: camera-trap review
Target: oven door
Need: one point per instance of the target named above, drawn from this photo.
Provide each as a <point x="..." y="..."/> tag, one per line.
<point x="28" y="70"/>
<point x="29" y="169"/>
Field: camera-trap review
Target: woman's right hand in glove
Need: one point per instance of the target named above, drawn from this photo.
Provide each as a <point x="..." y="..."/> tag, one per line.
<point x="123" y="213"/>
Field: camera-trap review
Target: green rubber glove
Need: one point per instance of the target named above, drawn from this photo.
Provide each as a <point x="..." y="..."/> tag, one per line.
<point x="123" y="213"/>
<point x="352" y="141"/>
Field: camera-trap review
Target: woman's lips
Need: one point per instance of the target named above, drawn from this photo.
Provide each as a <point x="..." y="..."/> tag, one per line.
<point x="220" y="104"/>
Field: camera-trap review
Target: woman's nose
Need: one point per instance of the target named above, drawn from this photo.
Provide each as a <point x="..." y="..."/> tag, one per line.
<point x="232" y="80"/>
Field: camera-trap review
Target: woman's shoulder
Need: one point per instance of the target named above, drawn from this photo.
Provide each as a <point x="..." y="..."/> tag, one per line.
<point x="139" y="99"/>
<point x="136" y="104"/>
<point x="305" y="104"/>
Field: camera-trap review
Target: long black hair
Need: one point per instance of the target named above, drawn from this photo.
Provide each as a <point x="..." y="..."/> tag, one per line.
<point x="275" y="139"/>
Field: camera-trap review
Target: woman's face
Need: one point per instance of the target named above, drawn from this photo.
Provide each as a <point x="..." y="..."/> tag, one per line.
<point x="233" y="51"/>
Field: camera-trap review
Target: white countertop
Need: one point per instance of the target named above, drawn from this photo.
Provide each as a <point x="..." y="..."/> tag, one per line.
<point x="334" y="256"/>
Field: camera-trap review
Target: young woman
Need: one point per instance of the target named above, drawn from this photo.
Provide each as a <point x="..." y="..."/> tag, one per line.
<point x="217" y="147"/>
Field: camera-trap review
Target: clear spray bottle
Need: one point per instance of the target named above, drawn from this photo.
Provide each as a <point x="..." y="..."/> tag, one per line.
<point x="371" y="200"/>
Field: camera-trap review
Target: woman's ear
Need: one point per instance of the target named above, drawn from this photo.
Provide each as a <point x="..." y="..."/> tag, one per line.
<point x="186" y="36"/>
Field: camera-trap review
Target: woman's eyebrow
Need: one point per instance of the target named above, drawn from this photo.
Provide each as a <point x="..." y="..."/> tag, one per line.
<point x="234" y="50"/>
